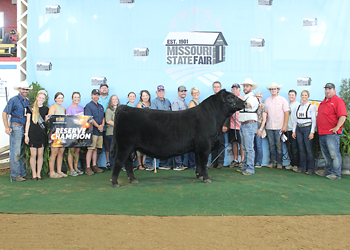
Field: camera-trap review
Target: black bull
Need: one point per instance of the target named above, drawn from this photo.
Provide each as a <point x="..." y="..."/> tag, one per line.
<point x="164" y="134"/>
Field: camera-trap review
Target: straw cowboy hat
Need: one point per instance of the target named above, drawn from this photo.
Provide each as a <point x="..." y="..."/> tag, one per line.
<point x="22" y="85"/>
<point x="250" y="82"/>
<point x="274" y="86"/>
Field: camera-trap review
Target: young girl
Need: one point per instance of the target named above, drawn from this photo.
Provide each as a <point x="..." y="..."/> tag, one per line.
<point x="57" y="109"/>
<point x="36" y="133"/>
<point x="131" y="97"/>
<point x="74" y="109"/>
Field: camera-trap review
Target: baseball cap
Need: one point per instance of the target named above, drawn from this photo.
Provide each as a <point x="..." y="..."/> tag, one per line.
<point x="95" y="92"/>
<point x="160" y="87"/>
<point x="181" y="88"/>
<point x="235" y="85"/>
<point x="103" y="84"/>
<point x="329" y="86"/>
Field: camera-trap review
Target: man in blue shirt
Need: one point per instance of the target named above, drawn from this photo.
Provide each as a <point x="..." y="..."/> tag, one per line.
<point x="95" y="110"/>
<point x="16" y="107"/>
<point x="103" y="100"/>
<point x="160" y="103"/>
<point x="177" y="105"/>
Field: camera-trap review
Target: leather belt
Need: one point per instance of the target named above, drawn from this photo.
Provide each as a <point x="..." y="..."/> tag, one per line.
<point x="300" y="125"/>
<point x="250" y="121"/>
<point x="15" y="123"/>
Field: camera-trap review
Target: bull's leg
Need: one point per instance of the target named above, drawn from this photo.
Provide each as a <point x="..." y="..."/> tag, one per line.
<point x="199" y="173"/>
<point x="120" y="159"/>
<point x="130" y="170"/>
<point x="201" y="161"/>
<point x="115" y="174"/>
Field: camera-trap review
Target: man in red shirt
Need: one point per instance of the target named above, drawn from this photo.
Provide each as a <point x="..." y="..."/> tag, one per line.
<point x="331" y="116"/>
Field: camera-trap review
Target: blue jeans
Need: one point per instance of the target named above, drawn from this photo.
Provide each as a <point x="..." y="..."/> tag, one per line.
<point x="247" y="132"/>
<point x="307" y="156"/>
<point x="191" y="160"/>
<point x="17" y="145"/>
<point x="109" y="142"/>
<point x="178" y="160"/>
<point x="330" y="150"/>
<point x="258" y="149"/>
<point x="159" y="163"/>
<point x="275" y="143"/>
<point x="293" y="151"/>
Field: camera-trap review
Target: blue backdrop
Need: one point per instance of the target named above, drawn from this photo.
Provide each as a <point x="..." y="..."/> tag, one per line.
<point x="91" y="38"/>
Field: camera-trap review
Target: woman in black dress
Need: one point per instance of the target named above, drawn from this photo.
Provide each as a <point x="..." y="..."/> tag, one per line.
<point x="35" y="133"/>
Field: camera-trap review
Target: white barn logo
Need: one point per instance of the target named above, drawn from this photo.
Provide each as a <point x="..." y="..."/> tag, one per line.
<point x="141" y="54"/>
<point x="127" y="3"/>
<point x="44" y="66"/>
<point x="97" y="81"/>
<point x="53" y="9"/>
<point x="199" y="48"/>
<point x="304" y="81"/>
<point x="310" y="21"/>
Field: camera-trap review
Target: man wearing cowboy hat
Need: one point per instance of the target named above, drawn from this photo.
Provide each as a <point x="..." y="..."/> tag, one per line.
<point x="16" y="107"/>
<point x="277" y="108"/>
<point x="248" y="118"/>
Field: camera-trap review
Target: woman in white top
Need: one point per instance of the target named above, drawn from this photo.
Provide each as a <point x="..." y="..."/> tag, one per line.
<point x="303" y="130"/>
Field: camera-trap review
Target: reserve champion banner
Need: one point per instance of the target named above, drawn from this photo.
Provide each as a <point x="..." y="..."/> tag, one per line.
<point x="70" y="131"/>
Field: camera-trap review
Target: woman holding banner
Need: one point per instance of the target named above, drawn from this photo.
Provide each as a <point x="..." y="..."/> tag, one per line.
<point x="74" y="109"/>
<point x="57" y="109"/>
<point x="110" y="113"/>
<point x="36" y="133"/>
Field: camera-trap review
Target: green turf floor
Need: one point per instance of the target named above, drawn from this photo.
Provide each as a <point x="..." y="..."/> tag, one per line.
<point x="178" y="193"/>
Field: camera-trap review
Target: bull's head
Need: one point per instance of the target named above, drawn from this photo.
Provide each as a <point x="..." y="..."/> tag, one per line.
<point x="233" y="103"/>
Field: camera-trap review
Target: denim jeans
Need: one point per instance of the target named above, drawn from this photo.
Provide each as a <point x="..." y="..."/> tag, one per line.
<point x="330" y="150"/>
<point x="16" y="150"/>
<point x="191" y="160"/>
<point x="258" y="149"/>
<point x="109" y="142"/>
<point x="293" y="150"/>
<point x="178" y="160"/>
<point x="275" y="144"/>
<point x="247" y="136"/>
<point x="159" y="163"/>
<point x="307" y="156"/>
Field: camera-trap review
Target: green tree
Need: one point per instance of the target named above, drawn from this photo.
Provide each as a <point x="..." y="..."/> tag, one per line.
<point x="344" y="92"/>
<point x="32" y="93"/>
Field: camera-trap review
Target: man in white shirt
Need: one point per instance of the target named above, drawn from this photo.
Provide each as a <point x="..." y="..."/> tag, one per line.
<point x="248" y="118"/>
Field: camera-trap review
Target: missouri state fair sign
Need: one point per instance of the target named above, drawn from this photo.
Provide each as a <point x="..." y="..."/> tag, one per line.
<point x="197" y="47"/>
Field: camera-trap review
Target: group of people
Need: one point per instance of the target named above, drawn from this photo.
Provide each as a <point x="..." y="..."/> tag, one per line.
<point x="294" y="123"/>
<point x="245" y="129"/>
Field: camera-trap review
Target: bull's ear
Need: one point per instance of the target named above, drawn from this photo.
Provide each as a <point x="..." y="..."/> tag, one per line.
<point x="223" y="94"/>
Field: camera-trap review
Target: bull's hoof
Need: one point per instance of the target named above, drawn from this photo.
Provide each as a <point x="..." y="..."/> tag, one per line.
<point x="116" y="185"/>
<point x="207" y="181"/>
<point x="200" y="177"/>
<point x="134" y="181"/>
